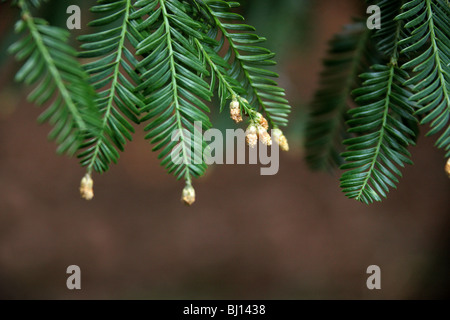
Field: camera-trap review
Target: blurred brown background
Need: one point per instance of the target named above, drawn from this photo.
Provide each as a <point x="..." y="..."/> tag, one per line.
<point x="289" y="236"/>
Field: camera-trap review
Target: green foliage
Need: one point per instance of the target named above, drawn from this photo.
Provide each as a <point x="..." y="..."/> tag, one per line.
<point x="171" y="77"/>
<point x="114" y="77"/>
<point x="248" y="61"/>
<point x="349" y="55"/>
<point x="413" y="40"/>
<point x="387" y="38"/>
<point x="157" y="62"/>
<point x="50" y="62"/>
<point x="428" y="23"/>
<point x="374" y="156"/>
<point x="381" y="147"/>
<point x="173" y="84"/>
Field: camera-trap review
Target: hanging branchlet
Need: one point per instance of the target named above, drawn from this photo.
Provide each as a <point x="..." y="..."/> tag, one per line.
<point x="188" y="194"/>
<point x="403" y="82"/>
<point x="280" y="139"/>
<point x="50" y="65"/>
<point x="87" y="187"/>
<point x="158" y="62"/>
<point x="235" y="111"/>
<point x="251" y="135"/>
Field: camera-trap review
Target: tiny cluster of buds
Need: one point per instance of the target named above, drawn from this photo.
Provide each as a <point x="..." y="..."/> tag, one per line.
<point x="235" y="111"/>
<point x="87" y="187"/>
<point x="188" y="195"/>
<point x="258" y="129"/>
<point x="280" y="139"/>
<point x="447" y="167"/>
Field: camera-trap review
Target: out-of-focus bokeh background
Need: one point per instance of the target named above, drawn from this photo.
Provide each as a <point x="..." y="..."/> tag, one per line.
<point x="289" y="236"/>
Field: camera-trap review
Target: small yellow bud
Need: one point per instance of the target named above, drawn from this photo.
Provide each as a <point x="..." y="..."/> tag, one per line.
<point x="235" y="111"/>
<point x="262" y="121"/>
<point x="87" y="187"/>
<point x="264" y="136"/>
<point x="447" y="167"/>
<point x="280" y="139"/>
<point x="188" y="195"/>
<point x="234" y="104"/>
<point x="251" y="136"/>
<point x="284" y="145"/>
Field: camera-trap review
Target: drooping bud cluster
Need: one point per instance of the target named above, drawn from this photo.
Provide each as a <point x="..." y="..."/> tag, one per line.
<point x="235" y="111"/>
<point x="447" y="167"/>
<point x="251" y="135"/>
<point x="280" y="139"/>
<point x="87" y="187"/>
<point x="258" y="129"/>
<point x="188" y="195"/>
